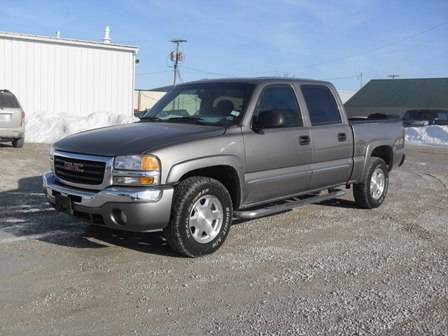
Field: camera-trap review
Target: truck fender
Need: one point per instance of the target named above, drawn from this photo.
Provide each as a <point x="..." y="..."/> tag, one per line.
<point x="180" y="169"/>
<point x="368" y="153"/>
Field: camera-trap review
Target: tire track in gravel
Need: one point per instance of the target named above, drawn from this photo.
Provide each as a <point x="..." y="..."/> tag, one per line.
<point x="413" y="226"/>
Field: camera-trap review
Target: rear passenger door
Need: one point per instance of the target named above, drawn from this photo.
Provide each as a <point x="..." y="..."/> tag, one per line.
<point x="278" y="160"/>
<point x="331" y="137"/>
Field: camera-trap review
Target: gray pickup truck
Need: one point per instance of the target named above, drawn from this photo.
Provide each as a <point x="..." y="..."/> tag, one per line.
<point x="214" y="150"/>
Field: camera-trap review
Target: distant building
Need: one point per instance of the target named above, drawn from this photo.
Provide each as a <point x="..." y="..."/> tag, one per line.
<point x="396" y="96"/>
<point x="145" y="99"/>
<point x="66" y="85"/>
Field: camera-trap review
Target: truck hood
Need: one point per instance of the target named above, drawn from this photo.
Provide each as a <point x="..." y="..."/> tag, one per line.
<point x="135" y="138"/>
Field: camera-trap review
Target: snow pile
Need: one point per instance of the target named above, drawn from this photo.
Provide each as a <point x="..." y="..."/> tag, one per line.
<point x="428" y="135"/>
<point x="48" y="129"/>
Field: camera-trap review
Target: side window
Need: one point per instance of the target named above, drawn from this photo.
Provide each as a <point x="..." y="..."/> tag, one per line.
<point x="282" y="99"/>
<point x="321" y="105"/>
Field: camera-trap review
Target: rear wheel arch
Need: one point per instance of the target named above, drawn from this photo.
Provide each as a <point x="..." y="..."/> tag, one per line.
<point x="386" y="153"/>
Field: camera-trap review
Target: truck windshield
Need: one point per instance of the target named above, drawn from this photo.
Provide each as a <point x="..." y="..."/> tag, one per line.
<point x="222" y="104"/>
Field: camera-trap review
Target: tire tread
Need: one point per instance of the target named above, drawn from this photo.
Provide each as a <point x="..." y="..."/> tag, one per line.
<point x="181" y="194"/>
<point x="361" y="190"/>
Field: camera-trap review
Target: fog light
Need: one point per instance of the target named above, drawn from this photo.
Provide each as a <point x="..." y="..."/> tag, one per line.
<point x="119" y="217"/>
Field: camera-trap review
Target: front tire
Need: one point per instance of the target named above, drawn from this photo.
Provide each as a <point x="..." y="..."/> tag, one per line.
<point x="201" y="217"/>
<point x="372" y="192"/>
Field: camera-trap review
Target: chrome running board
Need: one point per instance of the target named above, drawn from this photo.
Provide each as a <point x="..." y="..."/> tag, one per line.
<point x="286" y="205"/>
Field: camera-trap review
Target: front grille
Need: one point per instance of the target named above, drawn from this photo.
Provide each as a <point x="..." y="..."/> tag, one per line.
<point x="79" y="171"/>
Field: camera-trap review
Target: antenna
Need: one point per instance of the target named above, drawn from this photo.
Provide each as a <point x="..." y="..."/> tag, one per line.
<point x="177" y="56"/>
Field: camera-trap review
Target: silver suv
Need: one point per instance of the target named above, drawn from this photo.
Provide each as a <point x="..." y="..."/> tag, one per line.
<point x="12" y="119"/>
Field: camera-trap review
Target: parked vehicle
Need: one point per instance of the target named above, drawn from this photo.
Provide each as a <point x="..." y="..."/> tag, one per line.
<point x="12" y="119"/>
<point x="418" y="118"/>
<point x="214" y="150"/>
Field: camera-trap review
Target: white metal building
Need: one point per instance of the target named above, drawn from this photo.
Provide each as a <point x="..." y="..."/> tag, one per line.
<point x="67" y="85"/>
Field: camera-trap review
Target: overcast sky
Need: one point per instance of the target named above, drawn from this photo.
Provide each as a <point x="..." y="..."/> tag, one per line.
<point x="333" y="40"/>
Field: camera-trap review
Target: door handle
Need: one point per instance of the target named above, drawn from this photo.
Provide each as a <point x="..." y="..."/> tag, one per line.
<point x="304" y="140"/>
<point x="342" y="137"/>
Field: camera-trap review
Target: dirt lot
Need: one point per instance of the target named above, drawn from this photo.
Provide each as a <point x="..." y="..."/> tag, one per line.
<point x="327" y="269"/>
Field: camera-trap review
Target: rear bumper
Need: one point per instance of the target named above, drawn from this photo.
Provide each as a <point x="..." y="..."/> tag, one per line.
<point x="144" y="209"/>
<point x="12" y="133"/>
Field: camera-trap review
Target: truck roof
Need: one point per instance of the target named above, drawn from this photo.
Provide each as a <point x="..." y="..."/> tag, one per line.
<point x="256" y="80"/>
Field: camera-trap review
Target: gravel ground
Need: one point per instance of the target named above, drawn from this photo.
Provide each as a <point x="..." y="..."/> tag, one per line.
<point x="327" y="269"/>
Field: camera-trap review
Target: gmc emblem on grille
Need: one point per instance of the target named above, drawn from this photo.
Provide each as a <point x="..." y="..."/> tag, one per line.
<point x="74" y="167"/>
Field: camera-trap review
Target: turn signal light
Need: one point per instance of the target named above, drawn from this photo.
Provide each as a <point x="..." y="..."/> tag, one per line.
<point x="150" y="163"/>
<point x="146" y="180"/>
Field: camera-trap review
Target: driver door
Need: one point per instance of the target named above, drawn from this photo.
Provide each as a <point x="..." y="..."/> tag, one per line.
<point x="278" y="159"/>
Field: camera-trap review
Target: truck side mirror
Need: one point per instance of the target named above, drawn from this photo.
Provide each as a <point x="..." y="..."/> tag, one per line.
<point x="268" y="119"/>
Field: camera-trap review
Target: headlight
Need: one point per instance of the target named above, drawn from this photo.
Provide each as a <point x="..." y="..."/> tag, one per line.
<point x="138" y="170"/>
<point x="137" y="162"/>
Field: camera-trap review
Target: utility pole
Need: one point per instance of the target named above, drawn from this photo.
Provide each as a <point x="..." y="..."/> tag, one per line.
<point x="360" y="79"/>
<point x="176" y="57"/>
<point x="393" y="76"/>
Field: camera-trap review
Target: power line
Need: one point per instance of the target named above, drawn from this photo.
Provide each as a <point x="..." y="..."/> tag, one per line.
<point x="393" y="76"/>
<point x="152" y="73"/>
<point x="339" y="78"/>
<point x="206" y="72"/>
<point x="389" y="44"/>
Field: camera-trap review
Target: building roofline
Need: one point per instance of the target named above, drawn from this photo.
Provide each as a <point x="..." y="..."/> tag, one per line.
<point x="407" y="79"/>
<point x="411" y="92"/>
<point x="66" y="41"/>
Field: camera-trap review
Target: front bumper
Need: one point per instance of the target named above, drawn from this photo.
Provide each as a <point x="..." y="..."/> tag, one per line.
<point x="144" y="209"/>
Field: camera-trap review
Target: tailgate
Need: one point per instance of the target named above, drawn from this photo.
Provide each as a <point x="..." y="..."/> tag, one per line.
<point x="10" y="117"/>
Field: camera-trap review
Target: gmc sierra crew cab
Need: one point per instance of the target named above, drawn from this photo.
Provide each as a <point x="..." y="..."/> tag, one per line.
<point x="214" y="150"/>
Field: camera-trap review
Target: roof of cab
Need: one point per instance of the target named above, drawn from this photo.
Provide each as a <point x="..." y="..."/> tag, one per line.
<point x="256" y="80"/>
<point x="248" y="80"/>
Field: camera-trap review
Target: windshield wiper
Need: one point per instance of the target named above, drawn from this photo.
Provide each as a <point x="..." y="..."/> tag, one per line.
<point x="197" y="120"/>
<point x="151" y="119"/>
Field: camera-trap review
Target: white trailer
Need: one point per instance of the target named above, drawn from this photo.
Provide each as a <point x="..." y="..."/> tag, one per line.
<point x="67" y="85"/>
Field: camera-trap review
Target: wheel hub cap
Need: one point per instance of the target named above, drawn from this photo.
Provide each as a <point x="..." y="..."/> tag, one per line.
<point x="206" y="218"/>
<point x="377" y="183"/>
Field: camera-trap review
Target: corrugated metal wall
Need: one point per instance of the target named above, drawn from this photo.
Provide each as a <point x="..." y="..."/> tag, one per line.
<point x="63" y="81"/>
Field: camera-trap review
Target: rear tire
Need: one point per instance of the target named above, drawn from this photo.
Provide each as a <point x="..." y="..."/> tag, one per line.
<point x="372" y="192"/>
<point x="18" y="143"/>
<point x="201" y="217"/>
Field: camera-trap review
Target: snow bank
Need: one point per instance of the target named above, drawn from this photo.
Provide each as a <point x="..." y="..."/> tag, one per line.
<point x="429" y="135"/>
<point x="48" y="129"/>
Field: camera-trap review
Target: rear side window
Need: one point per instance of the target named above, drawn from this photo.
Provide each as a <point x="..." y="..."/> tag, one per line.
<point x="321" y="105"/>
<point x="8" y="100"/>
<point x="283" y="99"/>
